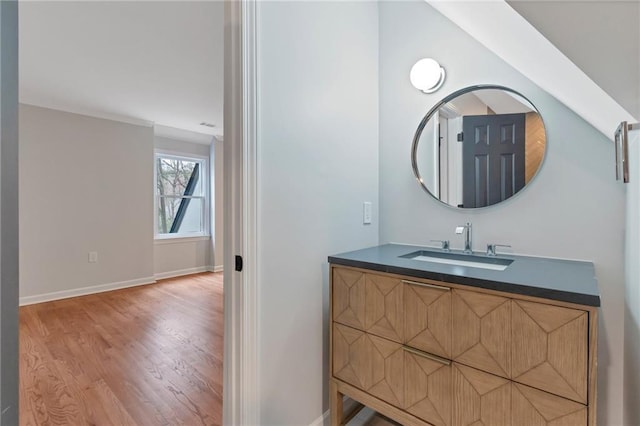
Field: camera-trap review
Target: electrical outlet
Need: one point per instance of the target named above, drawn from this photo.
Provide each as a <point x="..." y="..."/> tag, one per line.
<point x="367" y="213"/>
<point x="93" y="257"/>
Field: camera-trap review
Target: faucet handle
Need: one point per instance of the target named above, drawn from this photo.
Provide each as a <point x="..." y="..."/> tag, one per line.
<point x="445" y="244"/>
<point x="461" y="229"/>
<point x="491" y="248"/>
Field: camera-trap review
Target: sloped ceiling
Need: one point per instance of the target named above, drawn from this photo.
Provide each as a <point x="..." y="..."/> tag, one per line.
<point x="600" y="37"/>
<point x="521" y="45"/>
<point x="159" y="62"/>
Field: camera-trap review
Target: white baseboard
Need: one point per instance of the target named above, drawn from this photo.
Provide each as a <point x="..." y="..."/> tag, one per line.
<point x="218" y="268"/>
<point x="65" y="294"/>
<point x="181" y="272"/>
<point x="323" y="420"/>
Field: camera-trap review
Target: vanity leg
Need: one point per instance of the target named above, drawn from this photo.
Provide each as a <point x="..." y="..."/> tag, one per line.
<point x="335" y="401"/>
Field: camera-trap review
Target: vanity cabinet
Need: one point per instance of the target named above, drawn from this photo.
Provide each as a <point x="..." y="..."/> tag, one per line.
<point x="423" y="351"/>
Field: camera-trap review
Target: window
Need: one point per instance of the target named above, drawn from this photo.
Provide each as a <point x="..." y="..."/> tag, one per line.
<point x="181" y="196"/>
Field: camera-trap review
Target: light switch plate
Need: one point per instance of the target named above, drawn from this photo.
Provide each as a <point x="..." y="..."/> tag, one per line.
<point x="93" y="257"/>
<point x="366" y="213"/>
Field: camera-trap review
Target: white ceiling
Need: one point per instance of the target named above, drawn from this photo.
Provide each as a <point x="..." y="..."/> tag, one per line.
<point x="159" y="62"/>
<point x="162" y="62"/>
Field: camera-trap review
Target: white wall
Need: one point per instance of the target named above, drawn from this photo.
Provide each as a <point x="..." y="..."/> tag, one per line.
<point x="601" y="37"/>
<point x="573" y="209"/>
<point x="85" y="185"/>
<point x="182" y="256"/>
<point x="318" y="161"/>
<point x="181" y="147"/>
<point x="632" y="287"/>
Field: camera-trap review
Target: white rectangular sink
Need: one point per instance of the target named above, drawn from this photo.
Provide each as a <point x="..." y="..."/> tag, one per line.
<point x="458" y="259"/>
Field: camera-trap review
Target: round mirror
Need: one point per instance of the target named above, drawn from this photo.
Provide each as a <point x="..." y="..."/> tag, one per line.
<point x="478" y="146"/>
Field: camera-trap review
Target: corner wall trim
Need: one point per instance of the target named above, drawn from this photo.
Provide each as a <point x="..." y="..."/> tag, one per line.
<point x="181" y="272"/>
<point x="322" y="420"/>
<point x="217" y="268"/>
<point x="83" y="291"/>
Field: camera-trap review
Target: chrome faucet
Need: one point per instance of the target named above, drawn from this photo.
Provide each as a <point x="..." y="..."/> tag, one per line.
<point x="444" y="244"/>
<point x="491" y="248"/>
<point x="467" y="236"/>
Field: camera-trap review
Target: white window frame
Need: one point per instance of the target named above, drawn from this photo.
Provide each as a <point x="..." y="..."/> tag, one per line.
<point x="206" y="197"/>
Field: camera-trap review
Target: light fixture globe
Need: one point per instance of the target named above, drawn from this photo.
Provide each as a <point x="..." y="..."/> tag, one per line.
<point x="427" y="75"/>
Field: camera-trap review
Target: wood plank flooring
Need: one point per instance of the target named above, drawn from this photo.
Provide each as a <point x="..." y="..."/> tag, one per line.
<point x="149" y="355"/>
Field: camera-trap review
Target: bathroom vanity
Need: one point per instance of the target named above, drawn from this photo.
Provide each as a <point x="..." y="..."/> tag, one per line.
<point x="431" y="337"/>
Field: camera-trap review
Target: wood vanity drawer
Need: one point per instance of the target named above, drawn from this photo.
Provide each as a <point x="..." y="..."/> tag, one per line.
<point x="533" y="407"/>
<point x="427" y="317"/>
<point x="368" y="362"/>
<point x="368" y="302"/>
<point x="484" y="399"/>
<point x="405" y="311"/>
<point x="348" y="297"/>
<point x="428" y="387"/>
<point x="482" y="331"/>
<point x="536" y="344"/>
<point x="549" y="349"/>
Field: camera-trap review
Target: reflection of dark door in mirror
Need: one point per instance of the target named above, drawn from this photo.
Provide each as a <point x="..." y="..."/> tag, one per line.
<point x="493" y="158"/>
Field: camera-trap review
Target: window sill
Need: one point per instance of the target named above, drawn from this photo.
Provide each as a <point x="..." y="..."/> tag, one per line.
<point x="179" y="239"/>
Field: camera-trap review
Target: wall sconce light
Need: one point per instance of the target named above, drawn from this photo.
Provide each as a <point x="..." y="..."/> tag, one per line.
<point x="427" y="75"/>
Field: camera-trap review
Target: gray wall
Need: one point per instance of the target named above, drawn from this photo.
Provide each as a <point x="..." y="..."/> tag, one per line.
<point x="601" y="37"/>
<point x="9" y="213"/>
<point x="318" y="161"/>
<point x="85" y="185"/>
<point x="573" y="209"/>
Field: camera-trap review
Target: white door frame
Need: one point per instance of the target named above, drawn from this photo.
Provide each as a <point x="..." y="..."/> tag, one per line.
<point x="241" y="351"/>
<point x="9" y="212"/>
<point x="241" y="348"/>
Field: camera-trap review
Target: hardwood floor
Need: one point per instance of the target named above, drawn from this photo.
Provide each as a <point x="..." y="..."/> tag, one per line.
<point x="149" y="355"/>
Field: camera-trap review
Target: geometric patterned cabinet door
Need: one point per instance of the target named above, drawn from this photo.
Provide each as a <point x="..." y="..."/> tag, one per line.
<point x="368" y="302"/>
<point x="349" y="298"/>
<point x="481" y="399"/>
<point x="427" y="318"/>
<point x="383" y="313"/>
<point x="370" y="363"/>
<point x="428" y="388"/>
<point x="550" y="348"/>
<point x="482" y="331"/>
<point x="533" y="407"/>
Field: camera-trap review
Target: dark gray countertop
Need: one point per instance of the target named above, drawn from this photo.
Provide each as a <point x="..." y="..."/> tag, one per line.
<point x="565" y="280"/>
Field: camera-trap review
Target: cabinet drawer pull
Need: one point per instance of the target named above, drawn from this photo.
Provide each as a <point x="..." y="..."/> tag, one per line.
<point x="426" y="355"/>
<point x="437" y="287"/>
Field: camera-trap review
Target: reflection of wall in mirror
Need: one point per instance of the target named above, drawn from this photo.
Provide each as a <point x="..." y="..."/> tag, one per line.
<point x="468" y="104"/>
<point x="448" y="186"/>
<point x="455" y="161"/>
<point x="444" y="157"/>
<point x="428" y="157"/>
<point x="535" y="141"/>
